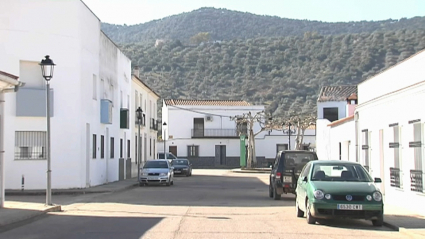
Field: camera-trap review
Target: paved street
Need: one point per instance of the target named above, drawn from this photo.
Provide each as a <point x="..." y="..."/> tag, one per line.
<point x="210" y="204"/>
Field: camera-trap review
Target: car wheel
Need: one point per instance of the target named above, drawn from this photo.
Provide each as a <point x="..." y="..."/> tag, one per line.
<point x="309" y="217"/>
<point x="378" y="222"/>
<point x="270" y="190"/>
<point x="172" y="182"/>
<point x="188" y="174"/>
<point x="168" y="183"/>
<point x="275" y="195"/>
<point x="297" y="208"/>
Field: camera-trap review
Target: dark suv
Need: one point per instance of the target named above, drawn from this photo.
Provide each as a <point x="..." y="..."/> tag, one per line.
<point x="286" y="170"/>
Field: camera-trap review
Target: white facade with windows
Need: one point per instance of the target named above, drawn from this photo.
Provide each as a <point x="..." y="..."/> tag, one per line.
<point x="144" y="97"/>
<point x="89" y="89"/>
<point x="203" y="131"/>
<point x="391" y="131"/>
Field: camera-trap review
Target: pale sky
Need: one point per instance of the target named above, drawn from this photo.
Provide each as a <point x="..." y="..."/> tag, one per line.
<point x="132" y="12"/>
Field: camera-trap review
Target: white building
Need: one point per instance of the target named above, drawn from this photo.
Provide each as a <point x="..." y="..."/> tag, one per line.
<point x="391" y="131"/>
<point x="90" y="87"/>
<point x="335" y="109"/>
<point x="203" y="131"/>
<point x="145" y="98"/>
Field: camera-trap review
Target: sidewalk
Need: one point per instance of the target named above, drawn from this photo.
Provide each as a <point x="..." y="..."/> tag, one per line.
<point x="17" y="212"/>
<point x="253" y="170"/>
<point x="406" y="222"/>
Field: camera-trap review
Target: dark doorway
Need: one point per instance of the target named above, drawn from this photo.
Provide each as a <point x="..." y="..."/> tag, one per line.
<point x="173" y="150"/>
<point x="220" y="154"/>
<point x="198" y="127"/>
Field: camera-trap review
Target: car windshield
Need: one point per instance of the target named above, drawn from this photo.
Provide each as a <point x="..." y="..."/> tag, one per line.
<point x="180" y="162"/>
<point x="156" y="164"/>
<point x="297" y="159"/>
<point x="340" y="172"/>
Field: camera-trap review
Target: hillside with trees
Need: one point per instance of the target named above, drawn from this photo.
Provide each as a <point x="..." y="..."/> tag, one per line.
<point x="224" y="25"/>
<point x="258" y="62"/>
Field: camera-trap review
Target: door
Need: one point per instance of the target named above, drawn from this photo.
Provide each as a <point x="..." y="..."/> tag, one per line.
<point x="381" y="159"/>
<point x="220" y="154"/>
<point x="302" y="187"/>
<point x="198" y="127"/>
<point x="173" y="150"/>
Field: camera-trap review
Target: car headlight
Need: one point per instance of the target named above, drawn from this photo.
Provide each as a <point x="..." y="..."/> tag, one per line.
<point x="318" y="194"/>
<point x="369" y="198"/>
<point x="163" y="174"/>
<point x="377" y="196"/>
<point x="143" y="173"/>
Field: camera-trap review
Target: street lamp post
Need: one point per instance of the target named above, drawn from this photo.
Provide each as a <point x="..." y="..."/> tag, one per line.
<point x="139" y="115"/>
<point x="163" y="127"/>
<point x="288" y="131"/>
<point x="47" y="67"/>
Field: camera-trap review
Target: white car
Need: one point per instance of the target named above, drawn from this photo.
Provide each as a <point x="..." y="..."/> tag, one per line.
<point x="157" y="171"/>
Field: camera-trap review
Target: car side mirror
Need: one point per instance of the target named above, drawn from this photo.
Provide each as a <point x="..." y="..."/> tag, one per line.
<point x="378" y="180"/>
<point x="305" y="179"/>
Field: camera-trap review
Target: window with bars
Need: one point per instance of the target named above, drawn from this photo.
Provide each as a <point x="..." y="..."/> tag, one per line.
<point x="94" y="146"/>
<point x="193" y="150"/>
<point x="102" y="146"/>
<point x="395" y="171"/>
<point x="416" y="175"/>
<point x="30" y="145"/>
<point x="365" y="148"/>
<point x="112" y="149"/>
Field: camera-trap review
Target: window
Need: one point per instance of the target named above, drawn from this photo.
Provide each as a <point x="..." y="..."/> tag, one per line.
<point x="121" y="148"/>
<point x="193" y="150"/>
<point x="112" y="148"/>
<point x="30" y="145"/>
<point x="416" y="175"/>
<point x="94" y="87"/>
<point x="128" y="149"/>
<point x="365" y="148"/>
<point x="330" y="114"/>
<point x="102" y="146"/>
<point x="396" y="170"/>
<point x="198" y="127"/>
<point x="94" y="146"/>
<point x="280" y="147"/>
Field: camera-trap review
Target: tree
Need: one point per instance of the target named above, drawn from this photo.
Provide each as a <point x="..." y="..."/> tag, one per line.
<point x="266" y="123"/>
<point x="301" y="122"/>
<point x="200" y="37"/>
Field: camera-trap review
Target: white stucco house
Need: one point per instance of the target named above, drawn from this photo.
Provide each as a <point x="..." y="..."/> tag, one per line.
<point x="203" y="132"/>
<point x="145" y="98"/>
<point x="391" y="131"/>
<point x="335" y="110"/>
<point x="90" y="87"/>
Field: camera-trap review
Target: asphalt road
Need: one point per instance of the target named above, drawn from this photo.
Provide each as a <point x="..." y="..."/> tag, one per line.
<point x="210" y="204"/>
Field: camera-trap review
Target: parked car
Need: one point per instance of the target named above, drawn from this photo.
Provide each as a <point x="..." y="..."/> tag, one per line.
<point x="183" y="167"/>
<point x="286" y="169"/>
<point x="157" y="171"/>
<point x="338" y="189"/>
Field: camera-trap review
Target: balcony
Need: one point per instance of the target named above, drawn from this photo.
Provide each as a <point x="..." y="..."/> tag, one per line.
<point x="215" y="133"/>
<point x="395" y="177"/>
<point x="154" y="124"/>
<point x="416" y="183"/>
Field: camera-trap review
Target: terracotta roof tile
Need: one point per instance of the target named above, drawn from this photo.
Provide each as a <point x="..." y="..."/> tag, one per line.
<point x="336" y="93"/>
<point x="208" y="102"/>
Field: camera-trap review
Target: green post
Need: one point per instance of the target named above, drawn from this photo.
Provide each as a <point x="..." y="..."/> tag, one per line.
<point x="243" y="151"/>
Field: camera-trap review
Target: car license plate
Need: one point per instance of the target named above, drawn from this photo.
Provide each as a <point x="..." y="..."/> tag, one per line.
<point x="349" y="207"/>
<point x="177" y="171"/>
<point x="151" y="178"/>
<point x="287" y="179"/>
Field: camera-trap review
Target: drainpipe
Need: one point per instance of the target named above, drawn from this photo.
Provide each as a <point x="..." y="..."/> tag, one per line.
<point x="356" y="119"/>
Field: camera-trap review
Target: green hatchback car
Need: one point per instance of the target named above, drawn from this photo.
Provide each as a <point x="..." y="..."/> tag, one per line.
<point x="338" y="189"/>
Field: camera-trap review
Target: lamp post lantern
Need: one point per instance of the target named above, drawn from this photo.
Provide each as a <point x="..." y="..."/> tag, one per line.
<point x="165" y="152"/>
<point x="139" y="115"/>
<point x="288" y="131"/>
<point x="47" y="67"/>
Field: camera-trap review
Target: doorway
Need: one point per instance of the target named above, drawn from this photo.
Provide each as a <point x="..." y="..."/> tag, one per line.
<point x="220" y="154"/>
<point x="173" y="150"/>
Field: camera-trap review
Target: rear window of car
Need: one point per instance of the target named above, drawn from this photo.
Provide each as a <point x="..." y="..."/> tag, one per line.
<point x="156" y="164"/>
<point x="180" y="162"/>
<point x="298" y="159"/>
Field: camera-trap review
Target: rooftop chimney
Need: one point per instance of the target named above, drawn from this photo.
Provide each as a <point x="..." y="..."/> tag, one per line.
<point x="136" y="71"/>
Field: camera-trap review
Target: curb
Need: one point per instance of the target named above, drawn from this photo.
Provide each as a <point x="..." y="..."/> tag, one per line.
<point x="391" y="226"/>
<point x="250" y="171"/>
<point x="29" y="219"/>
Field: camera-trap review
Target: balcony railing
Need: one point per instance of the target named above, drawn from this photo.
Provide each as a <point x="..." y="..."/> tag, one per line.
<point x="215" y="133"/>
<point x="395" y="177"/>
<point x="416" y="183"/>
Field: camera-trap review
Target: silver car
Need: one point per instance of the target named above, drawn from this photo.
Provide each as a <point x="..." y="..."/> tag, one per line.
<point x="157" y="171"/>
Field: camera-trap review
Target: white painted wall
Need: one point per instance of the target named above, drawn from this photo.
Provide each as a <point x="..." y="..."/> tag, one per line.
<point x="76" y="44"/>
<point x="341" y="105"/>
<point x="144" y="94"/>
<point x="344" y="134"/>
